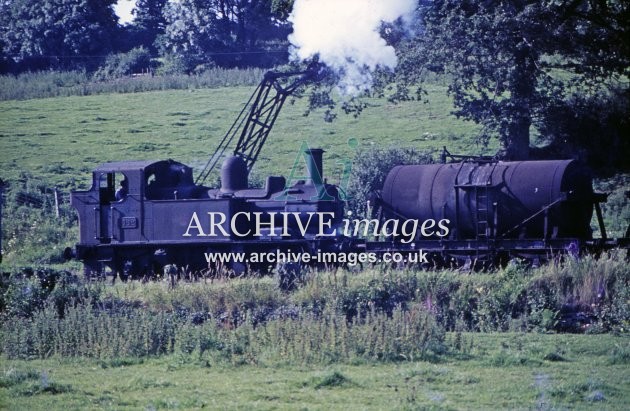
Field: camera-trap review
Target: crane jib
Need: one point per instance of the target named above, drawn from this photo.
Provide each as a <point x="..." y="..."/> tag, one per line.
<point x="256" y="119"/>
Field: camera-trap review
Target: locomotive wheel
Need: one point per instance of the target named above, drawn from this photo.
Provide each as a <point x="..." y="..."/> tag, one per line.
<point x="93" y="270"/>
<point x="123" y="271"/>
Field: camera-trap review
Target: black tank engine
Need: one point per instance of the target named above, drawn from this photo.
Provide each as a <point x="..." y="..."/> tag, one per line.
<point x="165" y="218"/>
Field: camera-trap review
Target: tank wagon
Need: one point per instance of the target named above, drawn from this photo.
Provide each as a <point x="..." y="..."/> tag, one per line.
<point x="496" y="210"/>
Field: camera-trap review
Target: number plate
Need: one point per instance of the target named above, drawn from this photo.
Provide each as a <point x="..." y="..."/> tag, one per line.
<point x="129" y="222"/>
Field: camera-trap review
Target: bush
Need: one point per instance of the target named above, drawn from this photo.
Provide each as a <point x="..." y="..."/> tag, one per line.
<point x="83" y="332"/>
<point x="173" y="64"/>
<point x="33" y="234"/>
<point x="370" y="168"/>
<point x="137" y="60"/>
<point x="26" y="291"/>
<point x="616" y="211"/>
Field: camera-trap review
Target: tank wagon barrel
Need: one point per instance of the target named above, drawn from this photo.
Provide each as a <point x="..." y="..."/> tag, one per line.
<point x="495" y="210"/>
<point x="527" y="199"/>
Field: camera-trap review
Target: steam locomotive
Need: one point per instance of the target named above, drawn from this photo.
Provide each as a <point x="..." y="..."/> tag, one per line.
<point x="165" y="218"/>
<point x="161" y="215"/>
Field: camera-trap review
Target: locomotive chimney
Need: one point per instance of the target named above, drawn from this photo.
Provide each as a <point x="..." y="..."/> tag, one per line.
<point x="314" y="165"/>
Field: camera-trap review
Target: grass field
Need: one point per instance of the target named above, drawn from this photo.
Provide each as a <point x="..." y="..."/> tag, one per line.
<point x="60" y="140"/>
<point x="63" y="139"/>
<point x="502" y="371"/>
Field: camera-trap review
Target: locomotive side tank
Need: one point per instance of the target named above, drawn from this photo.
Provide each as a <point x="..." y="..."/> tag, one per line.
<point x="527" y="199"/>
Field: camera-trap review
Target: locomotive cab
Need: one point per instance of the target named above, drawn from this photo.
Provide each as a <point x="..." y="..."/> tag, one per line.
<point x="111" y="210"/>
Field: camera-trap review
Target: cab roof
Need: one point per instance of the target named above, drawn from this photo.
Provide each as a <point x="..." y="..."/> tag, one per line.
<point x="134" y="165"/>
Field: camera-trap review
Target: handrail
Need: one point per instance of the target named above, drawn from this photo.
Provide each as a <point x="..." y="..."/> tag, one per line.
<point x="562" y="197"/>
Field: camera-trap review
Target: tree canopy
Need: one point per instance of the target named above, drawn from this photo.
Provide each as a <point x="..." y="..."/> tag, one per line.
<point x="228" y="32"/>
<point x="57" y="33"/>
<point x="149" y="22"/>
<point x="509" y="62"/>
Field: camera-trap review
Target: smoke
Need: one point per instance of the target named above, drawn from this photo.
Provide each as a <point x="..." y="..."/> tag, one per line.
<point x="345" y="35"/>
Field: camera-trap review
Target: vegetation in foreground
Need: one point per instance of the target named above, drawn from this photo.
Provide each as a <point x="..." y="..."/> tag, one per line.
<point x="339" y="316"/>
<point x="370" y="340"/>
<point x="500" y="371"/>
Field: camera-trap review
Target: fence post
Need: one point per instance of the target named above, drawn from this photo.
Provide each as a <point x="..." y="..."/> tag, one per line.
<point x="56" y="202"/>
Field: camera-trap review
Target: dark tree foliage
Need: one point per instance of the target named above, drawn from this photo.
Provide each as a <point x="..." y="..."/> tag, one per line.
<point x="510" y="62"/>
<point x="71" y="34"/>
<point x="282" y="8"/>
<point x="594" y="127"/>
<point x="56" y="33"/>
<point x="226" y="32"/>
<point x="149" y="22"/>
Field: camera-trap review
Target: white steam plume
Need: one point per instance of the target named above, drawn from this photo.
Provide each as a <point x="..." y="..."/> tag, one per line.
<point x="345" y="35"/>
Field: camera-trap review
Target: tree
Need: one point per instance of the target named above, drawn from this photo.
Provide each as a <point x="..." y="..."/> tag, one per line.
<point x="57" y="33"/>
<point x="149" y="22"/>
<point x="282" y="8"/>
<point x="228" y="32"/>
<point x="509" y="61"/>
<point x="193" y="29"/>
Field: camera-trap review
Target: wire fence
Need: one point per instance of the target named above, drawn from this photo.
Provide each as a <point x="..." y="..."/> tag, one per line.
<point x="51" y="201"/>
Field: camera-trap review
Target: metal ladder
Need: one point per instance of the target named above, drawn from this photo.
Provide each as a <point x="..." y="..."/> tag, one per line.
<point x="484" y="208"/>
<point x="482" y="212"/>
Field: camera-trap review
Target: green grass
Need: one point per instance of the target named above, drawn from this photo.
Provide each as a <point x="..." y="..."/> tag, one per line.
<point x="586" y="380"/>
<point x="63" y="139"/>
